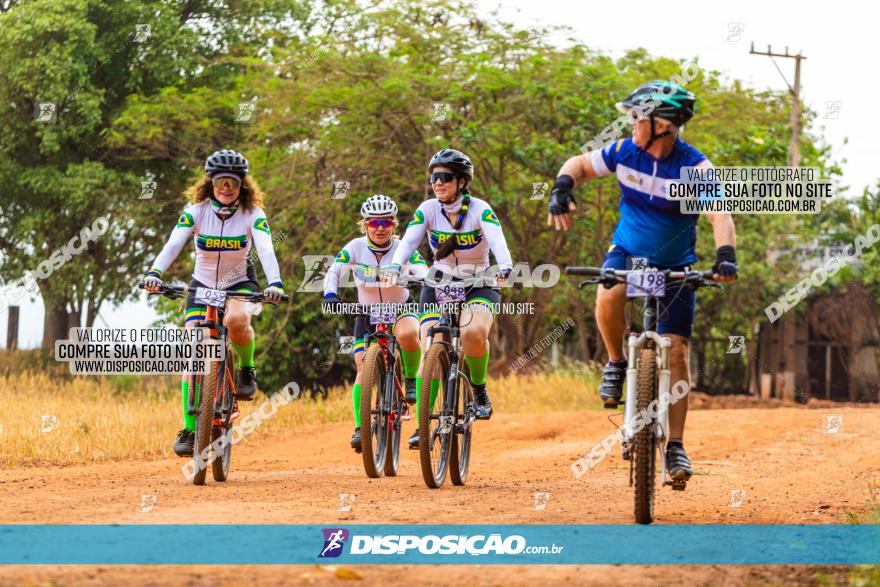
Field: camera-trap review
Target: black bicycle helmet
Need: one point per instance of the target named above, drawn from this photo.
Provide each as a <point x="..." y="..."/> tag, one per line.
<point x="228" y="161"/>
<point x="673" y="102"/>
<point x="458" y="162"/>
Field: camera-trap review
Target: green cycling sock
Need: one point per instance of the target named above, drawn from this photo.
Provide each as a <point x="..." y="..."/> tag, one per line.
<point x="478" y="367"/>
<point x="189" y="422"/>
<point x="411" y="362"/>
<point x="356" y="397"/>
<point x="435" y="385"/>
<point x="245" y="353"/>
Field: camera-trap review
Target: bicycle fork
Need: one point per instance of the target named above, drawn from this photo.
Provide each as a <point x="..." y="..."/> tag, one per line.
<point x="447" y="415"/>
<point x="658" y="413"/>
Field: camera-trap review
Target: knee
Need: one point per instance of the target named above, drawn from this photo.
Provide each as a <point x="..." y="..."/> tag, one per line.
<point x="237" y="321"/>
<point x="608" y="301"/>
<point x="474" y="335"/>
<point x="408" y="337"/>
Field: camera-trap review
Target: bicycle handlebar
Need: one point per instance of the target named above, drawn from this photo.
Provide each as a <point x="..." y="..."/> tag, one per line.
<point x="609" y="277"/>
<point x="176" y="291"/>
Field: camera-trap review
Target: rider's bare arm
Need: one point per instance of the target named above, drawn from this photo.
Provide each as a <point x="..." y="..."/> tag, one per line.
<point x="579" y="168"/>
<point x="722" y="228"/>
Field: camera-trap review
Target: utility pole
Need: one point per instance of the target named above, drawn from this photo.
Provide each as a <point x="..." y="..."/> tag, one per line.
<point x="794" y="151"/>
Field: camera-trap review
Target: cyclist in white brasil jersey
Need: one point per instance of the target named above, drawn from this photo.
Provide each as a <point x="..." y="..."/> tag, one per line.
<point x="461" y="231"/>
<point x="225" y="221"/>
<point x="364" y="256"/>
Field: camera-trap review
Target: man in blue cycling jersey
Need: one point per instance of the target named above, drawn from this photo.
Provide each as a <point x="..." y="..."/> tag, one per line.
<point x="650" y="226"/>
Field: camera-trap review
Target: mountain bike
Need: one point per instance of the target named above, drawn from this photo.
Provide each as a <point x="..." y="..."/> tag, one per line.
<point x="215" y="411"/>
<point x="445" y="436"/>
<point x="647" y="388"/>
<point x="383" y="402"/>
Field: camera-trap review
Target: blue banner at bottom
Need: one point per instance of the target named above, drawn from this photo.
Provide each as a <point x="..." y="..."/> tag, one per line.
<point x="439" y="544"/>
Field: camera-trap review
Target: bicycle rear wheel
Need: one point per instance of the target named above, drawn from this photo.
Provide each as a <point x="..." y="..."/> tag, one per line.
<point x="220" y="462"/>
<point x="459" y="460"/>
<point x="393" y="387"/>
<point x="374" y="412"/>
<point x="645" y="447"/>
<point x="435" y="435"/>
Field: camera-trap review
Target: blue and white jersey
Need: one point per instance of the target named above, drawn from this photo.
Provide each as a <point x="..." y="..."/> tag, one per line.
<point x="651" y="224"/>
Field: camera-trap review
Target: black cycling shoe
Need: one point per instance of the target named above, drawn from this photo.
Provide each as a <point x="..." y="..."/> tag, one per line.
<point x="183" y="445"/>
<point x="356" y="440"/>
<point x="611" y="387"/>
<point x="247" y="384"/>
<point x="414" y="440"/>
<point x="677" y="463"/>
<point x="411" y="391"/>
<point x="483" y="404"/>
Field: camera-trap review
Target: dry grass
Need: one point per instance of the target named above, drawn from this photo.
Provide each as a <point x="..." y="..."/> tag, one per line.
<point x="99" y="419"/>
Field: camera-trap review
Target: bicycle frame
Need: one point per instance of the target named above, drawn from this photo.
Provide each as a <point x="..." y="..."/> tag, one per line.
<point x="389" y="345"/>
<point x="449" y="325"/>
<point x="216" y="330"/>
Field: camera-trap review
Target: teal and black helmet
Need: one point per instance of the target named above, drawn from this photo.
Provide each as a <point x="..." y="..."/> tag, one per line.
<point x="675" y="103"/>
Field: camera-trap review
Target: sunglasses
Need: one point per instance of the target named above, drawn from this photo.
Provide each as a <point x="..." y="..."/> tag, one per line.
<point x="442" y="177"/>
<point x="380" y="223"/>
<point x="228" y="183"/>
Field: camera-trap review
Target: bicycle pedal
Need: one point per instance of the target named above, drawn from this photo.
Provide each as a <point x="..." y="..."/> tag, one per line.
<point x="678" y="485"/>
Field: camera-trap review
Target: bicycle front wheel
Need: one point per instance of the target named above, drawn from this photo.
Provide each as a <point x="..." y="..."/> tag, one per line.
<point x="205" y="423"/>
<point x="436" y="429"/>
<point x="374" y="412"/>
<point x="395" y="401"/>
<point x="465" y="415"/>
<point x="223" y="428"/>
<point x="645" y="447"/>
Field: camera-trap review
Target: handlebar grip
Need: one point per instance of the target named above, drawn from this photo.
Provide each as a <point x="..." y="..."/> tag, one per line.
<point x="583" y="270"/>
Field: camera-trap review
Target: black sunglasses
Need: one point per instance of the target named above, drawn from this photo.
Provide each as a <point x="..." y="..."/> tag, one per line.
<point x="442" y="177"/>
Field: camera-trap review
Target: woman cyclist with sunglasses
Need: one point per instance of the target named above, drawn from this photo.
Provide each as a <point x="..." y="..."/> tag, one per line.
<point x="225" y="221"/>
<point x="461" y="230"/>
<point x="365" y="256"/>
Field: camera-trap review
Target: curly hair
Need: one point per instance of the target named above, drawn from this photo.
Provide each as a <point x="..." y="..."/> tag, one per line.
<point x="250" y="195"/>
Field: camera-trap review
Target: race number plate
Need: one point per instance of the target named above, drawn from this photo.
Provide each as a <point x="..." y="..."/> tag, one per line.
<point x="210" y="297"/>
<point x="450" y="292"/>
<point x="380" y="315"/>
<point x="640" y="284"/>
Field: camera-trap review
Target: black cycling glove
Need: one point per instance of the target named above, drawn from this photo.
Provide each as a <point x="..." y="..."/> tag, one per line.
<point x="725" y="261"/>
<point x="561" y="195"/>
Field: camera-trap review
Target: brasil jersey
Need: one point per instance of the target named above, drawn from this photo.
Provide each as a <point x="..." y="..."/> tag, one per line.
<point x="480" y="233"/>
<point x="651" y="224"/>
<point x="365" y="258"/>
<point x="222" y="245"/>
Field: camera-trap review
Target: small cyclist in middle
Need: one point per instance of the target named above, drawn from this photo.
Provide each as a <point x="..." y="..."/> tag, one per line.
<point x="365" y="255"/>
<point x="461" y="230"/>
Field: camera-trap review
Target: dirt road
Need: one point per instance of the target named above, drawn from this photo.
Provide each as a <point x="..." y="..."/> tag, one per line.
<point x="790" y="469"/>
